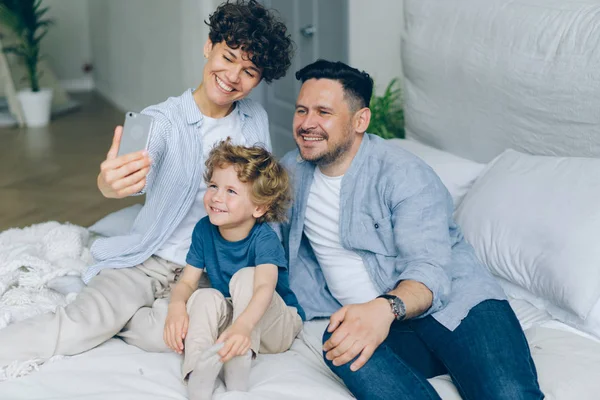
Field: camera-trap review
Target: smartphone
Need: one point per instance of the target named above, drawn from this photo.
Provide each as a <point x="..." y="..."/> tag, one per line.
<point x="136" y="133"/>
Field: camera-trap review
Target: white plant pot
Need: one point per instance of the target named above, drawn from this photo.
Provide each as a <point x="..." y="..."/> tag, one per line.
<point x="36" y="106"/>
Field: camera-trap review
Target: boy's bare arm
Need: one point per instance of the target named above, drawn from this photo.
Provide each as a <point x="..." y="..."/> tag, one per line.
<point x="187" y="284"/>
<point x="177" y="321"/>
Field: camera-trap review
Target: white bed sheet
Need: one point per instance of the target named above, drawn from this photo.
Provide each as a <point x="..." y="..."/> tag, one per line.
<point x="118" y="371"/>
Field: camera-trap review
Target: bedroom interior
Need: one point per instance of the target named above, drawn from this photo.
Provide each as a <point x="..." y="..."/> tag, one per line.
<point x="500" y="98"/>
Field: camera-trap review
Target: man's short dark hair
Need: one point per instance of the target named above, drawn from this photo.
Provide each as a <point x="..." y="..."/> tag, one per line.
<point x="358" y="85"/>
<point x="255" y="30"/>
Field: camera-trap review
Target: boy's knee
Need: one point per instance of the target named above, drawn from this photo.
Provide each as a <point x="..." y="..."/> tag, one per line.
<point x="206" y="297"/>
<point x="243" y="278"/>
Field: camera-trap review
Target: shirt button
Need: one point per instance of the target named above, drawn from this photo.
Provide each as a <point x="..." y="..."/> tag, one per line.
<point x="376" y="226"/>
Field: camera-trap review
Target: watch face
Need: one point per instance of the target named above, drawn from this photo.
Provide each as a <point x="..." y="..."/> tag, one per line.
<point x="399" y="308"/>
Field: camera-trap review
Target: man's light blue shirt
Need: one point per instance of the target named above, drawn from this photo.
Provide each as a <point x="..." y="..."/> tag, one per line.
<point x="396" y="214"/>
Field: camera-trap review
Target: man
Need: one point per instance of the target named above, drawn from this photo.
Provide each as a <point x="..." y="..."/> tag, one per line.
<point x="372" y="245"/>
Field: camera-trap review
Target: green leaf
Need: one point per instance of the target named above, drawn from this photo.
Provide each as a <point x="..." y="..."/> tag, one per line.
<point x="15" y="50"/>
<point x="9" y="18"/>
<point x="39" y="38"/>
<point x="387" y="115"/>
<point x="27" y="20"/>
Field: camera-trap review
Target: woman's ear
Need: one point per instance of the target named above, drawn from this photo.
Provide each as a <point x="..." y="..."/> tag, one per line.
<point x="207" y="48"/>
<point x="362" y="118"/>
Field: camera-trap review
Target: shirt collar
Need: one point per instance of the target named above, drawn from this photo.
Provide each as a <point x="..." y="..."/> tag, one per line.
<point x="190" y="108"/>
<point x="360" y="156"/>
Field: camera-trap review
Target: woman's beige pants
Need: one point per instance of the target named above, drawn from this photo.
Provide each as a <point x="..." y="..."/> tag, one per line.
<point x="128" y="302"/>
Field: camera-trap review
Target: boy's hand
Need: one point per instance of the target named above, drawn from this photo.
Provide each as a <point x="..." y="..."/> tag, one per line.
<point x="176" y="327"/>
<point x="237" y="341"/>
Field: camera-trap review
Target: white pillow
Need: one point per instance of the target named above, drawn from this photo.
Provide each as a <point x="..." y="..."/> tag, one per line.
<point x="457" y="173"/>
<point x="535" y="221"/>
<point x="590" y="325"/>
<point x="117" y="223"/>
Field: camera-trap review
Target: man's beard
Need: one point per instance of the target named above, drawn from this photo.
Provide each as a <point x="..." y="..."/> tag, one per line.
<point x="330" y="156"/>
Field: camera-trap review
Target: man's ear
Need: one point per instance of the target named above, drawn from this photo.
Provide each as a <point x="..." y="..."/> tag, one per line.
<point x="362" y="118"/>
<point x="259" y="211"/>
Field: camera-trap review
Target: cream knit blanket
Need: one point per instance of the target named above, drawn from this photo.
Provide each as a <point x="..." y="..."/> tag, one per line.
<point x="39" y="271"/>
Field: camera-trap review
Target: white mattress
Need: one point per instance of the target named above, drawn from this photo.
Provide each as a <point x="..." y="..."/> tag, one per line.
<point x="568" y="365"/>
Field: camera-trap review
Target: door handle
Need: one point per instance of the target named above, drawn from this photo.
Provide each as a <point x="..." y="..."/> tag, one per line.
<point x="308" y="31"/>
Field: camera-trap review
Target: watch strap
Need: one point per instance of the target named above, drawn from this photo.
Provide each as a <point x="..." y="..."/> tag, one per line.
<point x="397" y="305"/>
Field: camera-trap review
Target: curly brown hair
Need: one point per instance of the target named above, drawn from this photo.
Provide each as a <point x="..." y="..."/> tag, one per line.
<point x="268" y="180"/>
<point x="257" y="31"/>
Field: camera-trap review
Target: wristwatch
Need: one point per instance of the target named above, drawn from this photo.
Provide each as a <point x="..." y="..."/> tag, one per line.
<point x="397" y="305"/>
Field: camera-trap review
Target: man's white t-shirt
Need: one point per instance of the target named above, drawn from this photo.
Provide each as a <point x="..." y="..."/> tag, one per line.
<point x="212" y="130"/>
<point x="344" y="270"/>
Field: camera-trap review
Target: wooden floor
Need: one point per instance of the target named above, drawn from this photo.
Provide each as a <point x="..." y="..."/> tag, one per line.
<point x="49" y="174"/>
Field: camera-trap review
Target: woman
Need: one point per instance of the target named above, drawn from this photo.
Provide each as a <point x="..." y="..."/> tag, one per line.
<point x="127" y="287"/>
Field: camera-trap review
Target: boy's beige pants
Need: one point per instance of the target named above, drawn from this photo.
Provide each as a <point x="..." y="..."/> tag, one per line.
<point x="128" y="302"/>
<point x="211" y="313"/>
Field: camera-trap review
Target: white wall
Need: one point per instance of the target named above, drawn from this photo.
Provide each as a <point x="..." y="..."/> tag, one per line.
<point x="67" y="44"/>
<point x="374" y="39"/>
<point x="174" y="33"/>
<point x="146" y="50"/>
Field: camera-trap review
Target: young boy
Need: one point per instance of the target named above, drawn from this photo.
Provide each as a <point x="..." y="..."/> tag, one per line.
<point x="250" y="307"/>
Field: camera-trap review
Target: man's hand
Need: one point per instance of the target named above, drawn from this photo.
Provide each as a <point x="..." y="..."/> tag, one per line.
<point x="237" y="341"/>
<point x="125" y="175"/>
<point x="358" y="329"/>
<point x="176" y="327"/>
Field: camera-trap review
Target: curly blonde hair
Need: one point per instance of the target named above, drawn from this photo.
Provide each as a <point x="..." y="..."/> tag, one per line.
<point x="269" y="181"/>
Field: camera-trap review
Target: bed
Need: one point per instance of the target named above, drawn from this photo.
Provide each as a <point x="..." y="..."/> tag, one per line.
<point x="118" y="371"/>
<point x="502" y="100"/>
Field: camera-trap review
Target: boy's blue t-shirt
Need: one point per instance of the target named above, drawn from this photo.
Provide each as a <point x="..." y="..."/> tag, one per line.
<point x="220" y="258"/>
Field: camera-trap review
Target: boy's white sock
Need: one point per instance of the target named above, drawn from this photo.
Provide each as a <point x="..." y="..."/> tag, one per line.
<point x="202" y="379"/>
<point x="237" y="372"/>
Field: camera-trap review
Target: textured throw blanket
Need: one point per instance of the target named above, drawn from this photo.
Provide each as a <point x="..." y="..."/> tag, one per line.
<point x="39" y="271"/>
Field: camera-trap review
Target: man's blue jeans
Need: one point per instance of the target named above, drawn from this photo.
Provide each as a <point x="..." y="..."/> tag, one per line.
<point x="487" y="357"/>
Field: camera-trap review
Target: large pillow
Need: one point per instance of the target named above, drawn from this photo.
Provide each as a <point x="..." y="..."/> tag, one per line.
<point x="535" y="221"/>
<point x="590" y="325"/>
<point x="457" y="173"/>
<point x="483" y="76"/>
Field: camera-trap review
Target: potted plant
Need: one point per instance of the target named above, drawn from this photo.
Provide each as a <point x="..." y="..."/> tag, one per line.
<point x="387" y="115"/>
<point x="25" y="19"/>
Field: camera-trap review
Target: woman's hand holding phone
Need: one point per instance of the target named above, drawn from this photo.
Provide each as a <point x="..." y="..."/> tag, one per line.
<point x="122" y="176"/>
